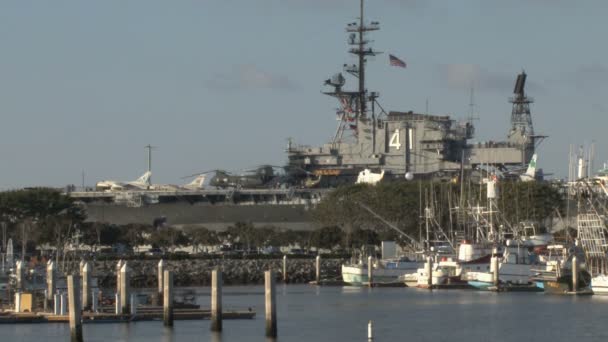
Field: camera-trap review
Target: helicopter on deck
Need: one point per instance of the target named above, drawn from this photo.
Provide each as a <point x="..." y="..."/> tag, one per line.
<point x="263" y="176"/>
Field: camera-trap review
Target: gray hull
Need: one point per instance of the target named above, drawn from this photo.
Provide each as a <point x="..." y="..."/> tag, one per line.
<point x="212" y="216"/>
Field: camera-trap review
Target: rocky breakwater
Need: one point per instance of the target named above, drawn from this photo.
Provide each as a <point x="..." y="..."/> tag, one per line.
<point x="197" y="272"/>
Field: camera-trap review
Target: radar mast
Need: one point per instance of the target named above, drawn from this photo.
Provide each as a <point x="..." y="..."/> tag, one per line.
<point x="353" y="104"/>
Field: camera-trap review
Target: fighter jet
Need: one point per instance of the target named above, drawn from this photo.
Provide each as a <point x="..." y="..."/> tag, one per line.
<point x="530" y="174"/>
<point x="196" y="184"/>
<point x="141" y="183"/>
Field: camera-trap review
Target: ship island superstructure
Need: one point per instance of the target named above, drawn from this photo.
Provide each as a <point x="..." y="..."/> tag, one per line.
<point x="404" y="143"/>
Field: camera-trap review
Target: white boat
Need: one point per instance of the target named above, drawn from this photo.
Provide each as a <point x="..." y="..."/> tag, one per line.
<point x="384" y="271"/>
<point x="449" y="272"/>
<point x="599" y="284"/>
<point x="515" y="267"/>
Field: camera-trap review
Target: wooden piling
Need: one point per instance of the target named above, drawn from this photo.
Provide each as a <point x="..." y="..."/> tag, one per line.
<point x="19" y="273"/>
<point x="86" y="285"/>
<point x="370" y="271"/>
<point x="18" y="302"/>
<point x="57" y="304"/>
<point x="161" y="272"/>
<point x="75" y="309"/>
<point x="284" y="268"/>
<point x="216" y="300"/>
<point x="271" y="308"/>
<point x="574" y="274"/>
<point x="124" y="288"/>
<point x="51" y="281"/>
<point x="168" y="298"/>
<point x="133" y="305"/>
<point x="81" y="266"/>
<point x="94" y="300"/>
<point x="118" y="268"/>
<point x="63" y="309"/>
<point x="318" y="270"/>
<point x="495" y="271"/>
<point x="429" y="272"/>
<point x="117" y="308"/>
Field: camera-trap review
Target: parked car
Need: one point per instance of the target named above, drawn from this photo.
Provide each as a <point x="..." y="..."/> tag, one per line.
<point x="155" y="252"/>
<point x="297" y="251"/>
<point x="271" y="250"/>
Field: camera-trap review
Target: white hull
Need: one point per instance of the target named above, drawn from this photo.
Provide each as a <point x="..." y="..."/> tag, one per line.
<point x="508" y="273"/>
<point x="445" y="273"/>
<point x="599" y="285"/>
<point x="386" y="273"/>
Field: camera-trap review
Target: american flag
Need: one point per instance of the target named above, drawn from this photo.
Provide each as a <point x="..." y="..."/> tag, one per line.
<point x="394" y="61"/>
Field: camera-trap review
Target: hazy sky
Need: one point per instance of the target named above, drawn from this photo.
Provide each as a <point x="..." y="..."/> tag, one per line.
<point x="85" y="85"/>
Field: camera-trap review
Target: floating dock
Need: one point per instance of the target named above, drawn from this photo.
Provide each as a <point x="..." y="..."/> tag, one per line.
<point x="143" y="314"/>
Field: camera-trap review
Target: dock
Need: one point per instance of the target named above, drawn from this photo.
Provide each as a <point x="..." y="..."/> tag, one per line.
<point x="143" y="314"/>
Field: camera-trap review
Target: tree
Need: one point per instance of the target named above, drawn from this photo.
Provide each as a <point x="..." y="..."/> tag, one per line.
<point x="48" y="215"/>
<point x="327" y="237"/>
<point x="168" y="238"/>
<point x="201" y="236"/>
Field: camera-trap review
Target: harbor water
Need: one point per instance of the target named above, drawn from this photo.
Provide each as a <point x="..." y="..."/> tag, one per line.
<point x="309" y="313"/>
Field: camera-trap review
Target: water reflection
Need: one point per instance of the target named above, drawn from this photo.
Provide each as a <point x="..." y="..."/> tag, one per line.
<point x="216" y="337"/>
<point x="311" y="313"/>
<point x="167" y="334"/>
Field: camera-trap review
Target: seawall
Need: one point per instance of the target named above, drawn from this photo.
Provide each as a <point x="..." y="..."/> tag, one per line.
<point x="197" y="272"/>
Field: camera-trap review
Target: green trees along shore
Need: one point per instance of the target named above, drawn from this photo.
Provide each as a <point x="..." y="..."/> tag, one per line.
<point x="46" y="217"/>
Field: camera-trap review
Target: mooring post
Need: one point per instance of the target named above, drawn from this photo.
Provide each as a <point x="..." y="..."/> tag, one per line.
<point x="57" y="307"/>
<point x="370" y="331"/>
<point x="17" y="301"/>
<point x="318" y="270"/>
<point x="495" y="271"/>
<point x="216" y="300"/>
<point x="429" y="272"/>
<point x="161" y="272"/>
<point x="51" y="281"/>
<point x="45" y="302"/>
<point x="370" y="271"/>
<point x="75" y="309"/>
<point x="117" y="309"/>
<point x="94" y="300"/>
<point x="86" y="286"/>
<point x="285" y="268"/>
<point x="19" y="273"/>
<point x="63" y="310"/>
<point x="574" y="274"/>
<point x="271" y="307"/>
<point x="81" y="266"/>
<point x="168" y="298"/>
<point x="118" y="268"/>
<point x="124" y="288"/>
<point x="133" y="305"/>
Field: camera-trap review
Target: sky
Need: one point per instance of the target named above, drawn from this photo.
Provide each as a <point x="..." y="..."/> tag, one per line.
<point x="85" y="85"/>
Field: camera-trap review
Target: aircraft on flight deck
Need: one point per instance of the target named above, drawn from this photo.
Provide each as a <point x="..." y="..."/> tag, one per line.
<point x="141" y="183"/>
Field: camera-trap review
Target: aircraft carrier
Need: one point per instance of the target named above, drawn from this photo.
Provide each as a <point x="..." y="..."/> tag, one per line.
<point x="211" y="208"/>
<point x="400" y="144"/>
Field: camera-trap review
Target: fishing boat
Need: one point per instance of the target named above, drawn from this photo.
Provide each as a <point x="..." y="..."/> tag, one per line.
<point x="388" y="269"/>
<point x="591" y="234"/>
<point x="515" y="268"/>
<point x="450" y="272"/>
<point x="563" y="267"/>
<point x="384" y="271"/>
